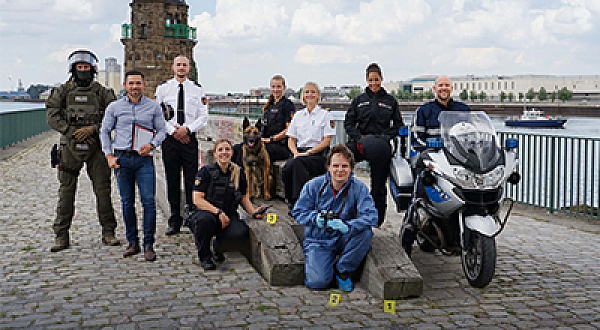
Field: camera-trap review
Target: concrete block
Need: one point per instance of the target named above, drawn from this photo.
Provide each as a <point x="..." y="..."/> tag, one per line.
<point x="388" y="273"/>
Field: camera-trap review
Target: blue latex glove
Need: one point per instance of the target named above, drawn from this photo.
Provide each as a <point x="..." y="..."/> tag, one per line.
<point x="320" y="221"/>
<point x="339" y="225"/>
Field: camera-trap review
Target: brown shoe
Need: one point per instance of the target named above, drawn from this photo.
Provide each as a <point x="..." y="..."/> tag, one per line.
<point x="111" y="240"/>
<point x="131" y="250"/>
<point x="149" y="253"/>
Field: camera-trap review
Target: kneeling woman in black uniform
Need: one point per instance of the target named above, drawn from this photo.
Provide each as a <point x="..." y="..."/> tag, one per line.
<point x="219" y="189"/>
<point x="309" y="135"/>
<point x="372" y="120"/>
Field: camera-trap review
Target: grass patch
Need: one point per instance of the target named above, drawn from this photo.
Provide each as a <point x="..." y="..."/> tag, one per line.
<point x="262" y="307"/>
<point x="27" y="248"/>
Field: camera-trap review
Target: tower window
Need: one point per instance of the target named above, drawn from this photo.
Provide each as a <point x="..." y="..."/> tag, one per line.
<point x="169" y="19"/>
<point x="144" y="31"/>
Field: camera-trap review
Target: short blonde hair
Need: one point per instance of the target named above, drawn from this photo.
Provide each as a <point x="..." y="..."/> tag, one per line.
<point x="313" y="84"/>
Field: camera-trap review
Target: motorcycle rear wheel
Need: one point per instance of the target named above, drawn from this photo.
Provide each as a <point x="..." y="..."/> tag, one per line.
<point x="479" y="259"/>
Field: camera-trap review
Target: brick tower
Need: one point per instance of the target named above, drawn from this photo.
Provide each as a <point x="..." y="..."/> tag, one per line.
<point x="158" y="32"/>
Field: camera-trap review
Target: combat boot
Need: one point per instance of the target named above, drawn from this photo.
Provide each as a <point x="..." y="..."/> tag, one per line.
<point x="60" y="243"/>
<point x="110" y="240"/>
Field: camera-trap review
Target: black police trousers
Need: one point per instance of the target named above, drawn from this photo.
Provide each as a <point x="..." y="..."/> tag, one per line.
<point x="205" y="225"/>
<point x="377" y="151"/>
<point x="178" y="156"/>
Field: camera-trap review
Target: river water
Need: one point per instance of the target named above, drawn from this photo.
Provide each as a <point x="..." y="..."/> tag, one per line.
<point x="9" y="106"/>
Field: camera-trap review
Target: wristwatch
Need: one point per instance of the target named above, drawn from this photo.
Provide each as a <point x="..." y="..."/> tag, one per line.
<point x="218" y="213"/>
<point x="271" y="139"/>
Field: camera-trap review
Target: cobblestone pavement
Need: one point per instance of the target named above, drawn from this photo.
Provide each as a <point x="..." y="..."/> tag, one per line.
<point x="546" y="277"/>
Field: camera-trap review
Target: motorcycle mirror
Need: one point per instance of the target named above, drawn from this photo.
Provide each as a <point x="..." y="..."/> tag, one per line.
<point x="428" y="178"/>
<point x="511" y="143"/>
<point x="514" y="178"/>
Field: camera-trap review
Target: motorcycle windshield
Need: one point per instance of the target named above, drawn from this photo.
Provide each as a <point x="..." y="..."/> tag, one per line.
<point x="470" y="140"/>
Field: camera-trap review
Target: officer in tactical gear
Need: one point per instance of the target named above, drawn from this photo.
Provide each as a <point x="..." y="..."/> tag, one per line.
<point x="75" y="109"/>
<point x="219" y="189"/>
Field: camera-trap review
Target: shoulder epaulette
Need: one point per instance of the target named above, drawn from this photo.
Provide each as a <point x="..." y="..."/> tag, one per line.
<point x="162" y="82"/>
<point x="197" y="83"/>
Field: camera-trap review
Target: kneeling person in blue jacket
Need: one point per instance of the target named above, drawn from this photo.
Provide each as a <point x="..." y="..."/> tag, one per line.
<point x="338" y="213"/>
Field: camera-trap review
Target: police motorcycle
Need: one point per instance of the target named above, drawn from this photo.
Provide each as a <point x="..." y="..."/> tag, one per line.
<point x="457" y="195"/>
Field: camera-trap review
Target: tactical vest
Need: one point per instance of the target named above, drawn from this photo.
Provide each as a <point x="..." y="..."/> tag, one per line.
<point x="221" y="191"/>
<point x="83" y="107"/>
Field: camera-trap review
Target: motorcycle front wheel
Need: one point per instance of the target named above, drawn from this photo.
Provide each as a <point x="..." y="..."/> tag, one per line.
<point x="479" y="259"/>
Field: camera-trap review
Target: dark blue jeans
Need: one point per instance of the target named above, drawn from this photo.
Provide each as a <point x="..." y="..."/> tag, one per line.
<point x="140" y="169"/>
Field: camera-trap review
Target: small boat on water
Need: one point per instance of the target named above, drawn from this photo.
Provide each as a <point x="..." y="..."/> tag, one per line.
<point x="535" y="118"/>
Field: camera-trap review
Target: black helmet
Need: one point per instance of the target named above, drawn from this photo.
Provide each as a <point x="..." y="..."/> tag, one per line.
<point x="83" y="56"/>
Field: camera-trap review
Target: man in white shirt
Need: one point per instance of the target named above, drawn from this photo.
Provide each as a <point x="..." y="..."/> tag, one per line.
<point x="184" y="106"/>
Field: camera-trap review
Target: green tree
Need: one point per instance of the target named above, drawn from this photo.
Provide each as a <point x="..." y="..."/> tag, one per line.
<point x="502" y="96"/>
<point x="542" y="94"/>
<point x="300" y="93"/>
<point x="521" y="96"/>
<point x="464" y="95"/>
<point x="511" y="96"/>
<point x="553" y="96"/>
<point x="353" y="93"/>
<point x="430" y="95"/>
<point x="482" y="96"/>
<point x="530" y="94"/>
<point x="34" y="91"/>
<point x="564" y="94"/>
<point x="473" y="96"/>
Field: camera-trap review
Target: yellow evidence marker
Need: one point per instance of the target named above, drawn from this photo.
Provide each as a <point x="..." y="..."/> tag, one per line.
<point x="389" y="306"/>
<point x="271" y="218"/>
<point x="334" y="299"/>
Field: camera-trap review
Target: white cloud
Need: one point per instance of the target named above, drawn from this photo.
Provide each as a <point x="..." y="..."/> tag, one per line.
<point x="375" y="21"/>
<point x="78" y="10"/>
<point x="235" y="18"/>
<point x="317" y="54"/>
<point x="479" y="58"/>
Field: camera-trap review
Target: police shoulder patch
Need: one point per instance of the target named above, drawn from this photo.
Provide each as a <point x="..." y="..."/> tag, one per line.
<point x="197" y="182"/>
<point x="204" y="100"/>
<point x="332" y="123"/>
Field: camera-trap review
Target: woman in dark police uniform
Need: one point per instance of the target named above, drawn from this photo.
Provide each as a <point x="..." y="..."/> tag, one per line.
<point x="371" y="122"/>
<point x="219" y="189"/>
<point x="277" y="115"/>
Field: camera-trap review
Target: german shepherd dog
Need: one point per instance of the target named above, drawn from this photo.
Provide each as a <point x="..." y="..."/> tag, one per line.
<point x="257" y="165"/>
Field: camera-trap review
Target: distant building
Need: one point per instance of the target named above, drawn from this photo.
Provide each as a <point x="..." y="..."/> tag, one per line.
<point x="19" y="94"/>
<point x="333" y="93"/>
<point x="111" y="75"/>
<point x="584" y="87"/>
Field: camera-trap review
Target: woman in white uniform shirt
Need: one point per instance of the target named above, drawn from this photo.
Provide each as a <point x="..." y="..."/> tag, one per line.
<point x="309" y="135"/>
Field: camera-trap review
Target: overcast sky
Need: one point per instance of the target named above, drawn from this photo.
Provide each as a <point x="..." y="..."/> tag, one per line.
<point x="242" y="43"/>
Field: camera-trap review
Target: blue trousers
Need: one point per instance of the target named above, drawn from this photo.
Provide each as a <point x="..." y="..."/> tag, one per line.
<point x="320" y="257"/>
<point x="138" y="169"/>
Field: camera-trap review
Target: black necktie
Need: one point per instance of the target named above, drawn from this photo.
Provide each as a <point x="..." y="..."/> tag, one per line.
<point x="180" y="100"/>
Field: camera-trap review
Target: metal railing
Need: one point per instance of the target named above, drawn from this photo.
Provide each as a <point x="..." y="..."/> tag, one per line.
<point x="180" y="31"/>
<point x="558" y="173"/>
<point x="19" y="125"/>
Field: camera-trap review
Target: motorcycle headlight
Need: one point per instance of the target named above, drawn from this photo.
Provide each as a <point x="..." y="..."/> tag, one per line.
<point x="492" y="179"/>
<point x="468" y="179"/>
<point x="464" y="177"/>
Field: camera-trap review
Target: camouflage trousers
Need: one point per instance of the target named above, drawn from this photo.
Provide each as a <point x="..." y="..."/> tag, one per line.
<point x="99" y="173"/>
